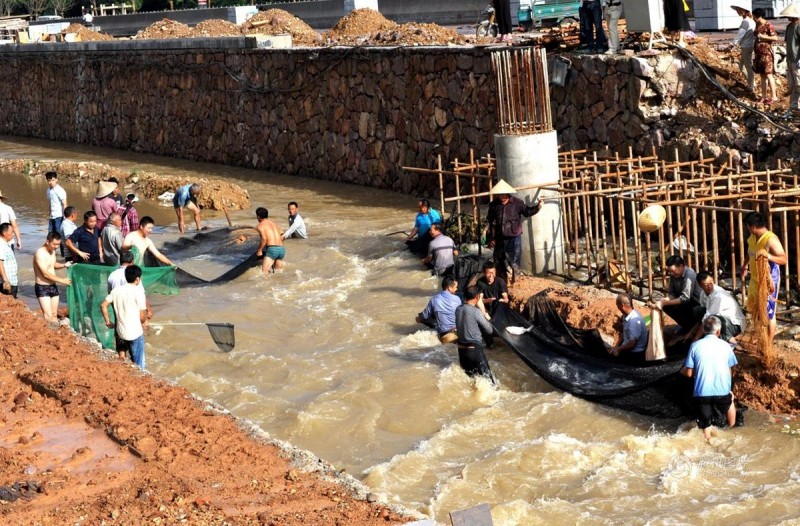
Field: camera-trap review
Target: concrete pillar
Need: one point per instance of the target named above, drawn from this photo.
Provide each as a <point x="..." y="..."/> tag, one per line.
<point x="524" y="160"/>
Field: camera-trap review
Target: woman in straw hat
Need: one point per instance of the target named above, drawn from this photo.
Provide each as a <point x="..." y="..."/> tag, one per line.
<point x="793" y="57"/>
<point x="504" y="228"/>
<point x="103" y="203"/>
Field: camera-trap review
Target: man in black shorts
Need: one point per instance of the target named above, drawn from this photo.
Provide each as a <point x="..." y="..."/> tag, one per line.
<point x="709" y="362"/>
<point x="44" y="269"/>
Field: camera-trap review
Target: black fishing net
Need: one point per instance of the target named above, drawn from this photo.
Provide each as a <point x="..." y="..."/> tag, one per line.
<point x="223" y="335"/>
<point x="576" y="361"/>
<point x="213" y="256"/>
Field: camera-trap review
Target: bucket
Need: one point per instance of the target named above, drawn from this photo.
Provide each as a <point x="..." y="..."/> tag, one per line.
<point x="559" y="71"/>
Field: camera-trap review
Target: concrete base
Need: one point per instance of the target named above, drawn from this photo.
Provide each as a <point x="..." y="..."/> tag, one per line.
<point x="524" y="160"/>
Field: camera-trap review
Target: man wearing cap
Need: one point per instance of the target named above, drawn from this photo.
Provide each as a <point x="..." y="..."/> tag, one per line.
<point x="186" y="197"/>
<point x="746" y="40"/>
<point x="129" y="215"/>
<point x="7" y="215"/>
<point x="793" y="57"/>
<point x="103" y="203"/>
<point x="504" y="229"/>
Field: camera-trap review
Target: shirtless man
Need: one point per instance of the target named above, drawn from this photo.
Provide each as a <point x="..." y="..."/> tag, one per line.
<point x="139" y="240"/>
<point x="271" y="246"/>
<point x="44" y="267"/>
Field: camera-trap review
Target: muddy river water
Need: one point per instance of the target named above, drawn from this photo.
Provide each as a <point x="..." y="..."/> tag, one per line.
<point x="329" y="358"/>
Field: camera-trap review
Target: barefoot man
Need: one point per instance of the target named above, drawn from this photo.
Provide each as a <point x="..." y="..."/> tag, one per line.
<point x="44" y="267"/>
<point x="271" y="246"/>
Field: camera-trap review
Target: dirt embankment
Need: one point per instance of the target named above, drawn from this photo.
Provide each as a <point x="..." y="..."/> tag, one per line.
<point x="771" y="390"/>
<point x="215" y="194"/>
<point x="89" y="440"/>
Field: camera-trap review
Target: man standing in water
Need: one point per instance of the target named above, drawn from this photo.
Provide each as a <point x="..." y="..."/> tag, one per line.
<point x="709" y="362"/>
<point x="297" y="227"/>
<point x="44" y="268"/>
<point x="130" y="309"/>
<point x="271" y="247"/>
<point x="472" y="327"/>
<point x="763" y="243"/>
<point x="186" y="197"/>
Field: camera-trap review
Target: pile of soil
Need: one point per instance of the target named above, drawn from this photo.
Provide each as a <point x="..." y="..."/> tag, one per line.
<point x="216" y="194"/>
<point x="85" y="34"/>
<point x="164" y="28"/>
<point x="772" y="390"/>
<point x="216" y="28"/>
<point x="278" y="22"/>
<point x="369" y="27"/>
<point x="92" y="441"/>
<point x="361" y="22"/>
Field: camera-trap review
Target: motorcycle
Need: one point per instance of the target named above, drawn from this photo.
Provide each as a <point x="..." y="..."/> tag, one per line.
<point x="487" y="24"/>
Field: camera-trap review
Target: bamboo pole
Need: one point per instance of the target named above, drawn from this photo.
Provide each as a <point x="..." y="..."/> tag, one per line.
<point x="441" y="182"/>
<point x="732" y="237"/>
<point x="715" y="243"/>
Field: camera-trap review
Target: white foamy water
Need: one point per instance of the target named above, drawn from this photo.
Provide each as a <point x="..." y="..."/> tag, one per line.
<point x="329" y="358"/>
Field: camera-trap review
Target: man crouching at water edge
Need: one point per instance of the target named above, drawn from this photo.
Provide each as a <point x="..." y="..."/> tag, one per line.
<point x="473" y="327"/>
<point x="271" y="247"/>
<point x="44" y="268"/>
<point x="634" y="332"/>
<point x="441" y="311"/>
<point x="709" y="362"/>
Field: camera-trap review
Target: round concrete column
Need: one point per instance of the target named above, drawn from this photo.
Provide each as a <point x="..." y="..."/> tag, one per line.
<point x="524" y="160"/>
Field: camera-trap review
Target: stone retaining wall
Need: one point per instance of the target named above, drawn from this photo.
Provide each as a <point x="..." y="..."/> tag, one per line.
<point x="343" y="114"/>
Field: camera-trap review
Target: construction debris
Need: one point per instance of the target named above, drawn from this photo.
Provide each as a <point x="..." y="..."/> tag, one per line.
<point x="280" y="22"/>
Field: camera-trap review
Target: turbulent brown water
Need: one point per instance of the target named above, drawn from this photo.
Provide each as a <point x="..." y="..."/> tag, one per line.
<point x="329" y="358"/>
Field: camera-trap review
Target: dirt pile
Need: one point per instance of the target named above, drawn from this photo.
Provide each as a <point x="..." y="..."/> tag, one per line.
<point x="100" y="443"/>
<point x="369" y="27"/>
<point x="216" y="28"/>
<point x="85" y="34"/>
<point x="164" y="28"/>
<point x="361" y="22"/>
<point x="216" y="194"/>
<point x="278" y="22"/>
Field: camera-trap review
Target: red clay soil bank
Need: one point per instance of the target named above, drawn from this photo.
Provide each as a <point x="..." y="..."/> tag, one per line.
<point x="94" y="441"/>
<point x="772" y="390"/>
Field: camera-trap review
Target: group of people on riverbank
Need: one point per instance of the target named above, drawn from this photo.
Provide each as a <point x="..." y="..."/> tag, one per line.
<point x="113" y="234"/>
<point x="711" y="319"/>
<point x="708" y="317"/>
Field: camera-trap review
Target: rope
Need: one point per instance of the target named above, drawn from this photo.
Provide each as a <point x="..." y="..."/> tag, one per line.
<point x="757" y="306"/>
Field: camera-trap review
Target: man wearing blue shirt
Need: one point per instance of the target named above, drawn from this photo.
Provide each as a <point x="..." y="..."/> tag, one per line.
<point x="441" y="311"/>
<point x="709" y="362"/>
<point x="634" y="332"/>
<point x="425" y="218"/>
<point x="84" y="243"/>
<point x="186" y="197"/>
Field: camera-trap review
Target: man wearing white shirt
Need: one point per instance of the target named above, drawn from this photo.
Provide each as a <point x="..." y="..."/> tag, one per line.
<point x="130" y="311"/>
<point x="720" y="303"/>
<point x="297" y="227"/>
<point x="7" y="215"/>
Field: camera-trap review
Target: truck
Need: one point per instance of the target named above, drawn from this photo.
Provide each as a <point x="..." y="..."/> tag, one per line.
<point x="546" y="13"/>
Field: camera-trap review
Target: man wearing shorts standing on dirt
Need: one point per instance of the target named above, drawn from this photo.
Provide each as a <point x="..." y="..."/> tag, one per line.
<point x="709" y="362"/>
<point x="271" y="247"/>
<point x="186" y="197"/>
<point x="763" y="243"/>
<point x="44" y="268"/>
<point x="130" y="309"/>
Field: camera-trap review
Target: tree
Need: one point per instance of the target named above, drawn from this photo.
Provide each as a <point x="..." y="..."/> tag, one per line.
<point x="35" y="7"/>
<point x="62" y="6"/>
<point x="7" y="6"/>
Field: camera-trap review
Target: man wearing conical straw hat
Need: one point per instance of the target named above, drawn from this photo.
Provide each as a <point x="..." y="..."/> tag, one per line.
<point x="103" y="203"/>
<point x="793" y="58"/>
<point x="504" y="228"/>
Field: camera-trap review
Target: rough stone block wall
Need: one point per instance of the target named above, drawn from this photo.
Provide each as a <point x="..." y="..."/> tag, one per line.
<point x="352" y="115"/>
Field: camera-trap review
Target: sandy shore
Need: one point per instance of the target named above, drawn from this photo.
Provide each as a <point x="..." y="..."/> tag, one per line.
<point x="87" y="438"/>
